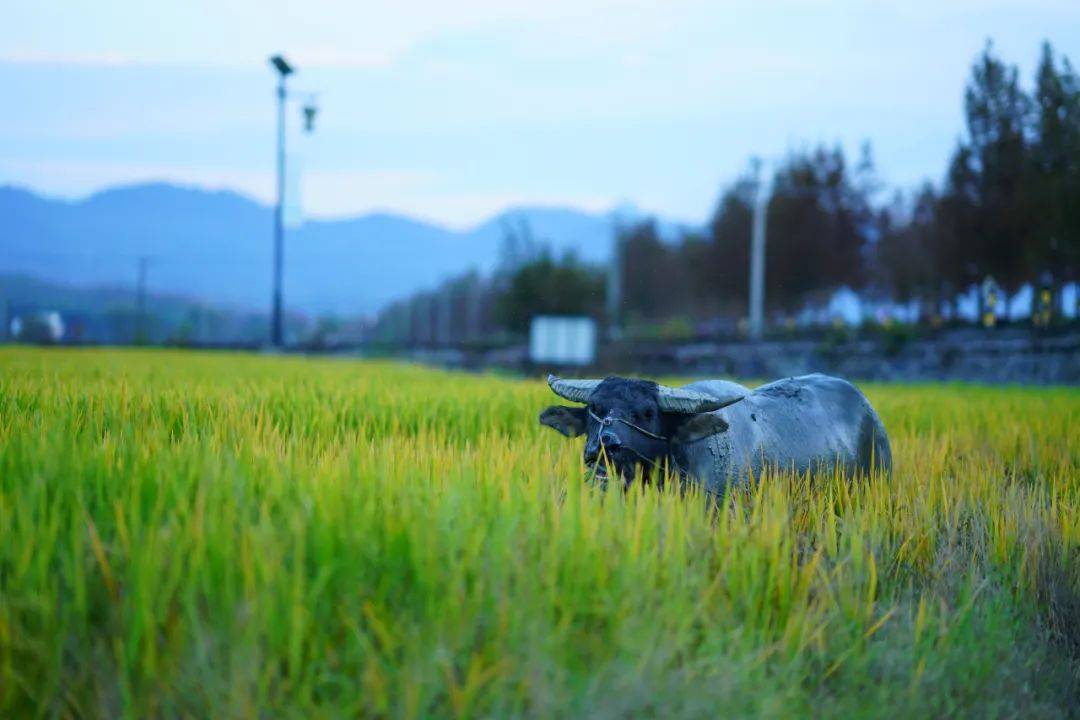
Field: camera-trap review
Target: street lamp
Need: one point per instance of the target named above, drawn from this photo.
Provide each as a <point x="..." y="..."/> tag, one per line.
<point x="309" y="115"/>
<point x="284" y="69"/>
<point x="281" y="65"/>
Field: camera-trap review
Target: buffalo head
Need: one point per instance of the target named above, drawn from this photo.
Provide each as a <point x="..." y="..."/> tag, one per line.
<point x="632" y="425"/>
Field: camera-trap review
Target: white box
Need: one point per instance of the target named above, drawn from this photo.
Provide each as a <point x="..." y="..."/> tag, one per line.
<point x="562" y="340"/>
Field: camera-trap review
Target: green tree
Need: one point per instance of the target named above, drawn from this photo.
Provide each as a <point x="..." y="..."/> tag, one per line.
<point x="1056" y="168"/>
<point x="998" y="116"/>
<point x="819" y="228"/>
<point x="654" y="280"/>
<point x="956" y="253"/>
<point x="720" y="274"/>
<point x="546" y="286"/>
<point x="908" y="238"/>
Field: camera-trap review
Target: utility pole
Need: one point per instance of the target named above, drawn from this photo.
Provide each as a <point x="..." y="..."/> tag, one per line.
<point x="444" y="300"/>
<point x="420" y="321"/>
<point x="406" y="325"/>
<point x="757" y="254"/>
<point x="429" y="305"/>
<point x="473" y="311"/>
<point x="141" y="334"/>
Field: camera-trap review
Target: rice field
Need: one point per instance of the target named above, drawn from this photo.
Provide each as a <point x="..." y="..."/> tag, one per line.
<point x="213" y="535"/>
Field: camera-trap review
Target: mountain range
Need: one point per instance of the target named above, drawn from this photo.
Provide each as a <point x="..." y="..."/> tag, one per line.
<point x="216" y="246"/>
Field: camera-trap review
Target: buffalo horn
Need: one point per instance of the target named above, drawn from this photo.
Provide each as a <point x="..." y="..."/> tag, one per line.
<point x="681" y="400"/>
<point x="573" y="390"/>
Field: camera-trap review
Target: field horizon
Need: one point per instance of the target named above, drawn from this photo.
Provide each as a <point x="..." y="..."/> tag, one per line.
<point x="231" y="535"/>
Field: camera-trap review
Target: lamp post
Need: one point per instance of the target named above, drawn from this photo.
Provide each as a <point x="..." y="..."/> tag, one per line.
<point x="284" y="69"/>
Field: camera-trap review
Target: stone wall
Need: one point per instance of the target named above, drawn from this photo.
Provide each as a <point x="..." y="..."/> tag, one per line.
<point x="967" y="356"/>
<point x="1001" y="356"/>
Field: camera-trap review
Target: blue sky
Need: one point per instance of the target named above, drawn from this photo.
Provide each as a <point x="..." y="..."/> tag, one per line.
<point x="453" y="111"/>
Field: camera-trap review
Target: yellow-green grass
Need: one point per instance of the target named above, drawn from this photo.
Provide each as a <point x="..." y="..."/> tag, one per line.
<point x="237" y="536"/>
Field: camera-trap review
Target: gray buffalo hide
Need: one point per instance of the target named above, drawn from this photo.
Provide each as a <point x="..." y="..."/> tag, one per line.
<point x="811" y="422"/>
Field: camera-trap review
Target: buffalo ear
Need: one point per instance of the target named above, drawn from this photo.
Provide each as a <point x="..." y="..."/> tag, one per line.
<point x="697" y="427"/>
<point x="570" y="421"/>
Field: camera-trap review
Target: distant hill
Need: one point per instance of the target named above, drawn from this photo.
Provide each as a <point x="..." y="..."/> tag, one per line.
<point x="216" y="246"/>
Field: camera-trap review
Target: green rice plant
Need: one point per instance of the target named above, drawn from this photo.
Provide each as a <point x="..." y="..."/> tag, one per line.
<point x="223" y="535"/>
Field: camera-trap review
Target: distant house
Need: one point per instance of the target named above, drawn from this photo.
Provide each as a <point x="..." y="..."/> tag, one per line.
<point x="38" y="326"/>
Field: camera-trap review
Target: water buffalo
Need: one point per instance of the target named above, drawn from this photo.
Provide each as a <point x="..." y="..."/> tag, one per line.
<point x="720" y="433"/>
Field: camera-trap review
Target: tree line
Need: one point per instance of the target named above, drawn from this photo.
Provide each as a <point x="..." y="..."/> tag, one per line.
<point x="1008" y="208"/>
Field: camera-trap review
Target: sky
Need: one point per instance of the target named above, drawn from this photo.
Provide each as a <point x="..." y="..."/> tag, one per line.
<point x="452" y="111"/>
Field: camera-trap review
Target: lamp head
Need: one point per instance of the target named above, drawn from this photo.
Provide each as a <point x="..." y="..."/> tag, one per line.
<point x="281" y="65"/>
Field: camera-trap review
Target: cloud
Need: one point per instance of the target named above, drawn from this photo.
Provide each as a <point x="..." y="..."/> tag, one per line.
<point x="320" y="33"/>
<point x="46" y="57"/>
<point x="424" y="194"/>
<point x="453" y="110"/>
